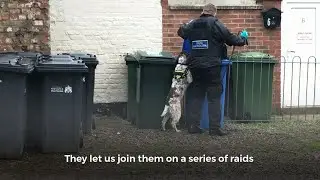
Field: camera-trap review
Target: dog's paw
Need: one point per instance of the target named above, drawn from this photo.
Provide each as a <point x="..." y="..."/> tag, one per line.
<point x="178" y="131"/>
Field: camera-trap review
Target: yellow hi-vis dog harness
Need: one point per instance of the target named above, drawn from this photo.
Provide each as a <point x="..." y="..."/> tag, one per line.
<point x="180" y="71"/>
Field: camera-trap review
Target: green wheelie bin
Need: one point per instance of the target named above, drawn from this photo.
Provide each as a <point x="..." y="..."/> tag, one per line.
<point x="251" y="86"/>
<point x="132" y="65"/>
<point x="149" y="81"/>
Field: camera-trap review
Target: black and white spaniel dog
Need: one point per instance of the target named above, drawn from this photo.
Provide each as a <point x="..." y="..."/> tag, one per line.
<point x="180" y="82"/>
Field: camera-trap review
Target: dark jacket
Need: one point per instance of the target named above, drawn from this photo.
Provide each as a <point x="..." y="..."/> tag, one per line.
<point x="208" y="28"/>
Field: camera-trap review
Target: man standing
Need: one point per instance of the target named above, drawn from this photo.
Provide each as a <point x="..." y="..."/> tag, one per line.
<point x="207" y="37"/>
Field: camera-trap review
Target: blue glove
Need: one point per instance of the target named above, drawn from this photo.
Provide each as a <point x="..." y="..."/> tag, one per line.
<point x="244" y="34"/>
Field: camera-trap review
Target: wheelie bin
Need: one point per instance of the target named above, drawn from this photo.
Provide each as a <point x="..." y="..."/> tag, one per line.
<point x="154" y="72"/>
<point x="33" y="125"/>
<point x="252" y="83"/>
<point x="35" y="97"/>
<point x="204" y="123"/>
<point x="91" y="62"/>
<point x="14" y="70"/>
<point x="186" y="46"/>
<point x="132" y="65"/>
<point x="61" y="103"/>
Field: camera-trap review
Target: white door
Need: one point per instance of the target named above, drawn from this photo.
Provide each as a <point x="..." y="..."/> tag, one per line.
<point x="300" y="75"/>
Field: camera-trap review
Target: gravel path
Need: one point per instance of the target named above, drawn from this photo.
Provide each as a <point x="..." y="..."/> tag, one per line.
<point x="283" y="149"/>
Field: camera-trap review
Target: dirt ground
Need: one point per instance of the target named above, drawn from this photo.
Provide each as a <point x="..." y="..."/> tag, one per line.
<point x="283" y="149"/>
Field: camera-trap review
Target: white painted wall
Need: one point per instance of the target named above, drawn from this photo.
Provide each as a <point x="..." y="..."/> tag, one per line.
<point x="109" y="29"/>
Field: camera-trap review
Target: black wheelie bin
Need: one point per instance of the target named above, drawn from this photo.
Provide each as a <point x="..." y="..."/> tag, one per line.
<point x="91" y="62"/>
<point x="33" y="97"/>
<point x="14" y="71"/>
<point x="61" y="103"/>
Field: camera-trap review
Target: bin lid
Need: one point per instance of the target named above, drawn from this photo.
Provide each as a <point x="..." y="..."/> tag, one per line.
<point x="32" y="55"/>
<point x="130" y="58"/>
<point x="56" y="56"/>
<point x="60" y="63"/>
<point x="144" y="57"/>
<point x="15" y="63"/>
<point x="86" y="57"/>
<point x="258" y="57"/>
<point x="226" y="62"/>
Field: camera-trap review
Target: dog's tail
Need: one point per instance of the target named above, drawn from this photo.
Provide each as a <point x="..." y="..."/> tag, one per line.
<point x="165" y="110"/>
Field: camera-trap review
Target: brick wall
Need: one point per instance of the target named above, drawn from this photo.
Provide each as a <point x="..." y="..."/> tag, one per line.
<point x="24" y="25"/>
<point x="112" y="29"/>
<point x="235" y="19"/>
<point x="108" y="29"/>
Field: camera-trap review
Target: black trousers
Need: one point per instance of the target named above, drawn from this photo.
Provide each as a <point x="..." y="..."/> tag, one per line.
<point x="205" y="81"/>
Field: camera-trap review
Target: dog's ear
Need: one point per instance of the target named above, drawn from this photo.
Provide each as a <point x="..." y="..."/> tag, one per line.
<point x="183" y="53"/>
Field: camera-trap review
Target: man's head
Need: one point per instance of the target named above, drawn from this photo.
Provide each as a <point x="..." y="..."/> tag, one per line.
<point x="209" y="9"/>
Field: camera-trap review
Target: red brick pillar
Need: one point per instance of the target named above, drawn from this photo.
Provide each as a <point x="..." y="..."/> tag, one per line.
<point x="24" y="26"/>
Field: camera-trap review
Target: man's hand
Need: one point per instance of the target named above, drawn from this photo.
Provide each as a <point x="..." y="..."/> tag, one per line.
<point x="229" y="38"/>
<point x="244" y="35"/>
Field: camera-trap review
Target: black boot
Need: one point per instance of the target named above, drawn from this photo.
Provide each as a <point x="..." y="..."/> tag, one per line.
<point x="217" y="132"/>
<point x="194" y="129"/>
